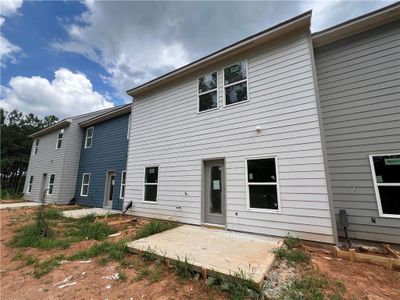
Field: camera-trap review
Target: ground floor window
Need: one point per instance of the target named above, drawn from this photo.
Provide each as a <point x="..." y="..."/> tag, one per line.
<point x="262" y="184"/>
<point x="30" y="184"/>
<point x="386" y="176"/>
<point x="85" y="184"/>
<point x="50" y="185"/>
<point x="150" y="184"/>
<point x="123" y="182"/>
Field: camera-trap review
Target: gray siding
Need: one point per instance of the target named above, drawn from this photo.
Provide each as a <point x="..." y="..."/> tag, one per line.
<point x="166" y="130"/>
<point x="359" y="87"/>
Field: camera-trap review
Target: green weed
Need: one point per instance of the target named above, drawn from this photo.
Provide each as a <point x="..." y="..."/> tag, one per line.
<point x="142" y="274"/>
<point x="115" y="251"/>
<point x="52" y="214"/>
<point x="122" y="276"/>
<point x="154" y="227"/>
<point x="46" y="266"/>
<point x="183" y="268"/>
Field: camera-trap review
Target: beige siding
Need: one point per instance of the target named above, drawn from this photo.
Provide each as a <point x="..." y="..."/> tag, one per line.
<point x="166" y="130"/>
<point x="359" y="86"/>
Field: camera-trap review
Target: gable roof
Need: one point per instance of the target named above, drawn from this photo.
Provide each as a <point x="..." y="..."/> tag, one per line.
<point x="298" y="22"/>
<point x="357" y="25"/>
<point x="120" y="110"/>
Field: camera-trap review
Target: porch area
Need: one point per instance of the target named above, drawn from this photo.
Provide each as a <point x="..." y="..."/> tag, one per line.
<point x="214" y="251"/>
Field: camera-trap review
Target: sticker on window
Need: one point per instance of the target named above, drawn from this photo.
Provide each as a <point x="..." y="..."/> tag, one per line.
<point x="216" y="185"/>
<point x="392" y="161"/>
<point x="151" y="171"/>
<point x="379" y="178"/>
<point x="251" y="176"/>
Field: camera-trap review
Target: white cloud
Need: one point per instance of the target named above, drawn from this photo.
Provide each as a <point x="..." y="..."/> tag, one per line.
<point x="8" y="51"/>
<point x="68" y="94"/>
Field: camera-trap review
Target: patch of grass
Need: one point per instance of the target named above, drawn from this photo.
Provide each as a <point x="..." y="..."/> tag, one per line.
<point x="312" y="286"/>
<point x="292" y="242"/>
<point x="155" y="226"/>
<point x="10" y="194"/>
<point x="87" y="219"/>
<point x="291" y="251"/>
<point x="142" y="274"/>
<point x="122" y="276"/>
<point x="94" y="231"/>
<point x="27" y="259"/>
<point x="46" y="266"/>
<point x="155" y="274"/>
<point x="52" y="214"/>
<point x="32" y="236"/>
<point x="114" y="251"/>
<point x="183" y="268"/>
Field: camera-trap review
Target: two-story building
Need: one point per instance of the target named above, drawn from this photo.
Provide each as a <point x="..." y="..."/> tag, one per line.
<point x="103" y="154"/>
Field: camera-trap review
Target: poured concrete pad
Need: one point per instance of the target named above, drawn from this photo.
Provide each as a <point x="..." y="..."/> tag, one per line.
<point x="80" y="213"/>
<point x="224" y="252"/>
<point x="18" y="205"/>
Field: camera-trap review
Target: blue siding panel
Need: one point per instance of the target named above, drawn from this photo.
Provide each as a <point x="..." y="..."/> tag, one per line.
<point x="108" y="153"/>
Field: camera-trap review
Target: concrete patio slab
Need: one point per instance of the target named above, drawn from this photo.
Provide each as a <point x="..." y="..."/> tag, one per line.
<point x="223" y="252"/>
<point x="18" y="205"/>
<point x="80" y="213"/>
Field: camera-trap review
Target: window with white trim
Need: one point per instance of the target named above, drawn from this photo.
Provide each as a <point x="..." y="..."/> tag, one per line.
<point x="36" y="147"/>
<point x="150" y="184"/>
<point x="262" y="184"/>
<point x="85" y="184"/>
<point x="30" y="184"/>
<point x="89" y="137"/>
<point x="235" y="83"/>
<point x="123" y="182"/>
<point x="60" y="136"/>
<point x="50" y="185"/>
<point x="207" y="91"/>
<point x="386" y="176"/>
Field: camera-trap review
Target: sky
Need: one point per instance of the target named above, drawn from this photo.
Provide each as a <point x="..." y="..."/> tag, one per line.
<point x="69" y="57"/>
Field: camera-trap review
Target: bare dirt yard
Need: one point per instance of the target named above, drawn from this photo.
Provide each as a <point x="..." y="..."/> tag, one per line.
<point x="81" y="261"/>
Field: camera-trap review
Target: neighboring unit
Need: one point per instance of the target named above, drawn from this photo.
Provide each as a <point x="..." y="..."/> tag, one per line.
<point x="234" y="140"/>
<point x="102" y="173"/>
<point x="53" y="164"/>
<point x="358" y="68"/>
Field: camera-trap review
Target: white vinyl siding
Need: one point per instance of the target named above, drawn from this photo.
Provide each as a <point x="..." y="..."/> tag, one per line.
<point x="85" y="184"/>
<point x="89" y="137"/>
<point x="282" y="103"/>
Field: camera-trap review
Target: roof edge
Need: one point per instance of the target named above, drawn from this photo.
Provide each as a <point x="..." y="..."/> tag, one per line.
<point x="357" y="25"/>
<point x="300" y="21"/>
<point x="58" y="125"/>
<point x="106" y="116"/>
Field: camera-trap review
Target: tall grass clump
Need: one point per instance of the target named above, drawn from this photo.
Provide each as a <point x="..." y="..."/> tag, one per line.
<point x="154" y="227"/>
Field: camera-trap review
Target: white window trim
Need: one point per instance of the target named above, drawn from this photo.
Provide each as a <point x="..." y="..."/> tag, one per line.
<point x="86" y="137"/>
<point x="48" y="184"/>
<point x="144" y="183"/>
<point x="237" y="82"/>
<point x="30" y="184"/>
<point x="376" y="185"/>
<point x="58" y="138"/>
<point x="278" y="192"/>
<point x="36" y="146"/>
<point x="88" y="184"/>
<point x="199" y="94"/>
<point x="122" y="184"/>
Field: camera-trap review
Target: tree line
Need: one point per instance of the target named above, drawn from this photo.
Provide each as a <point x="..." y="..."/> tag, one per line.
<point x="16" y="127"/>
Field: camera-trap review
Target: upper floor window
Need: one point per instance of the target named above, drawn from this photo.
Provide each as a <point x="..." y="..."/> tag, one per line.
<point x="50" y="186"/>
<point x="386" y="176"/>
<point x="150" y="184"/>
<point x="207" y="90"/>
<point x="262" y="181"/>
<point x="36" y="147"/>
<point x="235" y="83"/>
<point x="30" y="184"/>
<point x="60" y="138"/>
<point x="123" y="182"/>
<point x="89" y="137"/>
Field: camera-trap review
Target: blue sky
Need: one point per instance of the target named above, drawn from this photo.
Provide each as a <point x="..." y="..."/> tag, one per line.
<point x="65" y="58"/>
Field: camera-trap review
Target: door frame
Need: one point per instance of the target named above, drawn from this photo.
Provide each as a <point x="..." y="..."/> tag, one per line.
<point x="203" y="200"/>
<point x="107" y="187"/>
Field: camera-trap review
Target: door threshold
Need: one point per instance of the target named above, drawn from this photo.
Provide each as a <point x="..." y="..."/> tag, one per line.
<point x="213" y="226"/>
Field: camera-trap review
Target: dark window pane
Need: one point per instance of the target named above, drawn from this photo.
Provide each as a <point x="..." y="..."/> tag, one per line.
<point x="86" y="178"/>
<point x="261" y="170"/>
<point x="50" y="189"/>
<point x="85" y="190"/>
<point x="390" y="199"/>
<point x="122" y="191"/>
<point x="387" y="168"/>
<point x="235" y="73"/>
<point x="150" y="193"/>
<point x="263" y="196"/>
<point x="52" y="177"/>
<point x="208" y="101"/>
<point x="236" y="93"/>
<point x="31" y="179"/>
<point x="207" y="82"/>
<point x="216" y="190"/>
<point x="152" y="175"/>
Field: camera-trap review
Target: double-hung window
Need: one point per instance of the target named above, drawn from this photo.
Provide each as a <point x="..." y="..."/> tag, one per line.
<point x="50" y="185"/>
<point x="85" y="184"/>
<point x="89" y="137"/>
<point x="36" y="147"/>
<point x="150" y="184"/>
<point x="386" y="176"/>
<point x="207" y="90"/>
<point x="123" y="182"/>
<point x="235" y="83"/>
<point x="262" y="184"/>
<point x="30" y="184"/>
<point x="60" y="138"/>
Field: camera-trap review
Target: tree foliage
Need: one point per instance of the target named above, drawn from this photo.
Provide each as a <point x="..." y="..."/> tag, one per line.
<point x="16" y="145"/>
